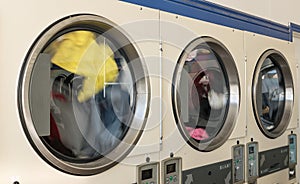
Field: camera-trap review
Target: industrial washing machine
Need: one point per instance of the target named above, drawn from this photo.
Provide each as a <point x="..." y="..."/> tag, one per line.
<point x="81" y="102"/>
<point x="296" y="40"/>
<point x="272" y="108"/>
<point x="204" y="120"/>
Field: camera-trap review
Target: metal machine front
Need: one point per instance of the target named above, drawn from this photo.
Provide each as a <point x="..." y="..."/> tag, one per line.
<point x="272" y="93"/>
<point x="83" y="95"/>
<point x="205" y="94"/>
<point x="271" y="100"/>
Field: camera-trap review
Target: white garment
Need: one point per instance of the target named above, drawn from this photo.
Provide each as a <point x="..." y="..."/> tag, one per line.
<point x="216" y="100"/>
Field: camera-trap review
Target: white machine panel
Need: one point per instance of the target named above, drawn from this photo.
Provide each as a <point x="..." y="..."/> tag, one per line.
<point x="204" y="95"/>
<point x="271" y="63"/>
<point x="43" y="93"/>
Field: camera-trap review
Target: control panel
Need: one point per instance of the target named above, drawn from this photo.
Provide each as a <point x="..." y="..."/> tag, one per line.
<point x="292" y="138"/>
<point x="148" y="173"/>
<point x="238" y="163"/>
<point x="292" y="149"/>
<point x="252" y="162"/>
<point x="171" y="170"/>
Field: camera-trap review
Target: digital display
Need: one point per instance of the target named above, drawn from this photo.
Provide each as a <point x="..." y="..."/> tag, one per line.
<point x="238" y="151"/>
<point x="251" y="149"/>
<point x="171" y="168"/>
<point x="146" y="174"/>
<point x="291" y="141"/>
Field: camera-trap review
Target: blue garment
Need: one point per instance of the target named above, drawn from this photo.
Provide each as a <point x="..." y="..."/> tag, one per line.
<point x="93" y="127"/>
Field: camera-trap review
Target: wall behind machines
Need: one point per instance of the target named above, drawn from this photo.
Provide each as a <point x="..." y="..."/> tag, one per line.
<point x="279" y="11"/>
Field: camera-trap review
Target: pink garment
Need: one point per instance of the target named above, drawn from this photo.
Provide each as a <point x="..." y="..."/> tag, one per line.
<point x="197" y="133"/>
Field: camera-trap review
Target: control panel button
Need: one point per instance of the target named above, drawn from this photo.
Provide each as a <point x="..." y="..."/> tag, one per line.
<point x="175" y="178"/>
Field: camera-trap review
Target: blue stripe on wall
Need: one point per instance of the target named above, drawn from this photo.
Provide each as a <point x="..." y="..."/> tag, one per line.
<point x="294" y="28"/>
<point x="210" y="12"/>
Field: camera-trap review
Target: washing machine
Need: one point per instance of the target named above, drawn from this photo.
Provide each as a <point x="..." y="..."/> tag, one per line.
<point x="81" y="94"/>
<point x="272" y="109"/>
<point x="296" y="40"/>
<point x="204" y="114"/>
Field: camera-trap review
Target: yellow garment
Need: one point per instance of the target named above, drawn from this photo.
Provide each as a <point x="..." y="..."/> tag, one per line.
<point x="78" y="52"/>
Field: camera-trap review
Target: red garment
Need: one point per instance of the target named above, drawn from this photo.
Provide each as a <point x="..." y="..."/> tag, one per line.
<point x="54" y="134"/>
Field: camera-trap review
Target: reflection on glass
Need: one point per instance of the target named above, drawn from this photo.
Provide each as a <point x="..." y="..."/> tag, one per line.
<point x="203" y="93"/>
<point x="270" y="94"/>
<point x="91" y="96"/>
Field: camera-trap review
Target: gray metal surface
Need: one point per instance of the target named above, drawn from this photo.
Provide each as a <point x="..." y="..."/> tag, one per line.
<point x="40" y="95"/>
<point x="273" y="160"/>
<point x="217" y="173"/>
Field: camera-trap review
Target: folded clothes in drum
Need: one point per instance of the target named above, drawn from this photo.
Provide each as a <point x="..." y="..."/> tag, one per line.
<point x="79" y="53"/>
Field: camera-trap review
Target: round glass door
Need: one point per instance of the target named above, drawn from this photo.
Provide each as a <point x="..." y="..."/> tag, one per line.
<point x="206" y="94"/>
<point x="272" y="93"/>
<point x="80" y="88"/>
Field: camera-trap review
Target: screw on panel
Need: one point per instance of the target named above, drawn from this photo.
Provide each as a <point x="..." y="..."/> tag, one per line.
<point x="171" y="154"/>
<point x="233" y="30"/>
<point x="176" y="17"/>
<point x="141" y="8"/>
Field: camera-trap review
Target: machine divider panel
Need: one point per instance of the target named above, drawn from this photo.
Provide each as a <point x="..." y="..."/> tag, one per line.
<point x="220" y="173"/>
<point x="271" y="161"/>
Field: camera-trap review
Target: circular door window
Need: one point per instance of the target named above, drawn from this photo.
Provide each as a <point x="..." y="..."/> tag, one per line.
<point x="272" y="93"/>
<point x="79" y="89"/>
<point x="205" y="94"/>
